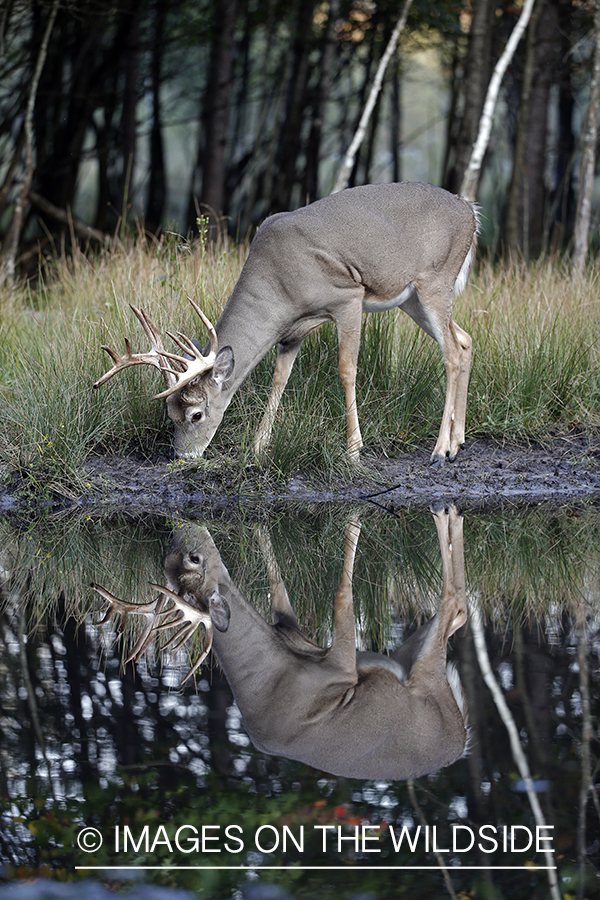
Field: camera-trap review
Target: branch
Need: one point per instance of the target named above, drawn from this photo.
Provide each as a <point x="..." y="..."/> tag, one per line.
<point x="13" y="241"/>
<point x="588" y="162"/>
<point x="346" y="167"/>
<point x="473" y="171"/>
<point x="80" y="228"/>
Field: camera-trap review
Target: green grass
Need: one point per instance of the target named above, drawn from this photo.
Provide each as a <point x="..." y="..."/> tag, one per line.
<point x="535" y="366"/>
<point x="529" y="563"/>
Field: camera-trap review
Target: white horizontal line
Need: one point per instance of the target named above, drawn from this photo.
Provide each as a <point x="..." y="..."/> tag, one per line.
<point x="349" y="867"/>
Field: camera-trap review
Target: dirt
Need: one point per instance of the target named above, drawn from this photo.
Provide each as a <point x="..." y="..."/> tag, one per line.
<point x="486" y="474"/>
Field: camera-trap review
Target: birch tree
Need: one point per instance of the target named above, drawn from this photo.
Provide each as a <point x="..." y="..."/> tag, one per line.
<point x="346" y="167"/>
<point x="470" y="182"/>
<point x="588" y="161"/>
<point x="17" y="222"/>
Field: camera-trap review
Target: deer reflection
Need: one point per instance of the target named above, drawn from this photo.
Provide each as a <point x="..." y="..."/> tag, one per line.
<point x="351" y="713"/>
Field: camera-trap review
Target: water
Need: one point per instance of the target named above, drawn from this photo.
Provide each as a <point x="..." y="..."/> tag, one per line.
<point x="169" y="777"/>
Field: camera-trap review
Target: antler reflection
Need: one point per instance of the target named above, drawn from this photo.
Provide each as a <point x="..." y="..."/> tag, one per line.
<point x="180" y="615"/>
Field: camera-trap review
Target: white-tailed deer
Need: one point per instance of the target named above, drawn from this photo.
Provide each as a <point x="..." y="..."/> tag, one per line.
<point x="365" y="249"/>
<point x="354" y="714"/>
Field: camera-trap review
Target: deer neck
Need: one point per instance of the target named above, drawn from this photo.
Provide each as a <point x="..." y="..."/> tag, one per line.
<point x="246" y="648"/>
<point x="248" y="327"/>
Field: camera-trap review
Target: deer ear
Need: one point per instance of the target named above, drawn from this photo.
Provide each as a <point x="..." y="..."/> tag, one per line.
<point x="219" y="611"/>
<point x="223" y="366"/>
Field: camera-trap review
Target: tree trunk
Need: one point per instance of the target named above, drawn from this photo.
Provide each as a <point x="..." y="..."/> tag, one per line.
<point x="128" y="130"/>
<point x="15" y="229"/>
<point x="396" y="123"/>
<point x="4" y="20"/>
<point x="311" y="174"/>
<point x="470" y="182"/>
<point x="215" y="118"/>
<point x="561" y="219"/>
<point x="515" y="203"/>
<point x="477" y="72"/>
<point x="588" y="161"/>
<point x="291" y="128"/>
<point x="363" y="94"/>
<point x="527" y="200"/>
<point x="346" y="167"/>
<point x="370" y="150"/>
<point x="157" y="188"/>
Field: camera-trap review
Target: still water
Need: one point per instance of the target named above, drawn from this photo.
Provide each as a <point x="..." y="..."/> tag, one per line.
<point x="368" y="768"/>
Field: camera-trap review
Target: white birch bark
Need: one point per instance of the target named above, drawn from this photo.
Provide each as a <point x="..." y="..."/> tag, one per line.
<point x="473" y="171"/>
<point x="588" y="162"/>
<point x="513" y="735"/>
<point x="346" y="167"/>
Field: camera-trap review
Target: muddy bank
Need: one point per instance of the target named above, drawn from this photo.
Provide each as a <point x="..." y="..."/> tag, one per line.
<point x="486" y="474"/>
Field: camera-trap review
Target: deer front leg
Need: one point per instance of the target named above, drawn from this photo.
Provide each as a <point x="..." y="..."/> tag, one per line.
<point x="349" y="343"/>
<point x="286" y="355"/>
<point x="280" y="601"/>
<point x="457" y="434"/>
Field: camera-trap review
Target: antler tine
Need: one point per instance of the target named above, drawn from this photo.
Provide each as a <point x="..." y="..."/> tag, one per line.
<point x="153" y="357"/>
<point x="184" y="617"/>
<point x="214" y="342"/>
<point x="151" y="610"/>
<point x="198" y="362"/>
<point x="150" y="329"/>
<point x="199" y="661"/>
<point x="189" y="618"/>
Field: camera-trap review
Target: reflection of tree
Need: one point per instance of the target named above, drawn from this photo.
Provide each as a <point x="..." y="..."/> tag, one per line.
<point x="131" y="746"/>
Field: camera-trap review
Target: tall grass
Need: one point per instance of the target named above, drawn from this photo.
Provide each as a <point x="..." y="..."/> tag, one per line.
<point x="538" y="562"/>
<point x="535" y="365"/>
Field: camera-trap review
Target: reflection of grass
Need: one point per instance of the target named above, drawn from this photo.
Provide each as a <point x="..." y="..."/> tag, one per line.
<point x="541" y="563"/>
<point x="49" y="563"/>
<point x="535" y="370"/>
<point x="536" y="562"/>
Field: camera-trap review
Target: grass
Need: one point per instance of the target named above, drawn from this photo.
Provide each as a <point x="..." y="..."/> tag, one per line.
<point x="535" y="366"/>
<point x="532" y="563"/>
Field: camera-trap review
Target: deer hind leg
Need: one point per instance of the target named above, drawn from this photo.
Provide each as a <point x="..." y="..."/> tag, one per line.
<point x="423" y="655"/>
<point x="349" y="341"/>
<point x="286" y="355"/>
<point x="431" y="308"/>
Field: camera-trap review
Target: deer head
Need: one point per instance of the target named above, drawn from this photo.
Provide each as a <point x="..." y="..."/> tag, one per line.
<point x="194" y="381"/>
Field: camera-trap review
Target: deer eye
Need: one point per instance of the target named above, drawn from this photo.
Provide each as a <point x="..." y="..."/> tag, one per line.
<point x="197" y="416"/>
<point x="195" y="559"/>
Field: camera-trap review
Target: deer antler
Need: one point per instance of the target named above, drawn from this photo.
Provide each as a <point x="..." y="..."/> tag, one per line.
<point x="188" y="369"/>
<point x="182" y="616"/>
<point x="152" y="358"/>
<point x="181" y="370"/>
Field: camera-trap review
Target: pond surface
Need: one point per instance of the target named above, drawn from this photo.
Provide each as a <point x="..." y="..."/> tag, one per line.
<point x="357" y="794"/>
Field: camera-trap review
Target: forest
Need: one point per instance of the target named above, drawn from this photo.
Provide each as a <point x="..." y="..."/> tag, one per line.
<point x="147" y="114"/>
